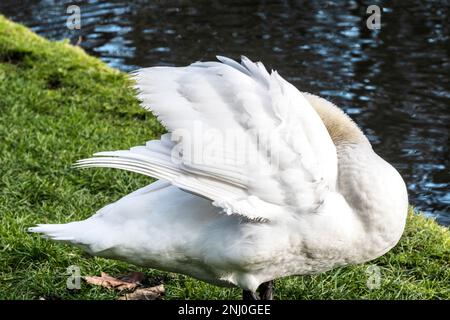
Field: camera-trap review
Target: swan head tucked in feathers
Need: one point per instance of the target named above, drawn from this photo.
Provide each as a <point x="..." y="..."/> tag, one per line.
<point x="386" y="194"/>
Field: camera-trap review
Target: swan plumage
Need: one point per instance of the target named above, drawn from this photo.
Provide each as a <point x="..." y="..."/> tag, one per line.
<point x="257" y="181"/>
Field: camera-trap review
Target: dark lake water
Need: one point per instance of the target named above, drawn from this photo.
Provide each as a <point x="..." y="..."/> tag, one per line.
<point x="394" y="82"/>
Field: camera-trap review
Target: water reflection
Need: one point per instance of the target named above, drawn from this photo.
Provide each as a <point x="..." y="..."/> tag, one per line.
<point x="393" y="81"/>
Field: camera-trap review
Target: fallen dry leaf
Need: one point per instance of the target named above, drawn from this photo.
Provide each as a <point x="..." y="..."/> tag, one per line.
<point x="151" y="293"/>
<point x="125" y="283"/>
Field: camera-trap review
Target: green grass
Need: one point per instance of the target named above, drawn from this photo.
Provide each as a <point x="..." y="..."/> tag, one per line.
<point x="58" y="105"/>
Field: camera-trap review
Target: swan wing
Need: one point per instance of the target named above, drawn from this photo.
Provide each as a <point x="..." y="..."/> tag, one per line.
<point x="240" y="136"/>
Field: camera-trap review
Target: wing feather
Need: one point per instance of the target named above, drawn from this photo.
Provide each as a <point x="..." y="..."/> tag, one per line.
<point x="240" y="136"/>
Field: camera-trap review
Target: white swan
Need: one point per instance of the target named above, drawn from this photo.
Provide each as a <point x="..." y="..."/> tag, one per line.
<point x="257" y="181"/>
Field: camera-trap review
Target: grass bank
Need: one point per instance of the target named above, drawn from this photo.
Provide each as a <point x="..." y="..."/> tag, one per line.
<point x="58" y="105"/>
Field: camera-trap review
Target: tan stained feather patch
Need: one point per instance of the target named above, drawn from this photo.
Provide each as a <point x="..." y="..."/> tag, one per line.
<point x="341" y="128"/>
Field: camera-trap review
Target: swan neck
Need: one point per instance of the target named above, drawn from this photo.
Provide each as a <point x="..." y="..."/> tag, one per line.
<point x="374" y="190"/>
